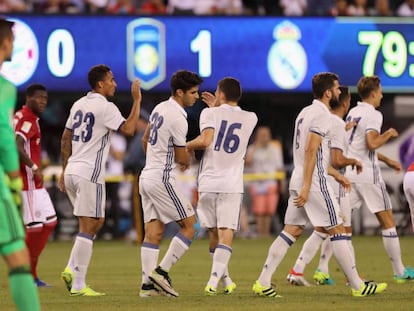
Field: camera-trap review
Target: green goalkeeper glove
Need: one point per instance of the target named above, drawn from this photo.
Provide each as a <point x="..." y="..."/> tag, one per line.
<point x="15" y="185"/>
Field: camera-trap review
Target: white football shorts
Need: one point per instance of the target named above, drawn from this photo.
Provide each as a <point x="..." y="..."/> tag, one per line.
<point x="163" y="201"/>
<point x="219" y="210"/>
<point x="88" y="198"/>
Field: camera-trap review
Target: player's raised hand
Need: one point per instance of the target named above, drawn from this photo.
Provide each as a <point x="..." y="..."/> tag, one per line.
<point x="136" y="90"/>
<point x="209" y="99"/>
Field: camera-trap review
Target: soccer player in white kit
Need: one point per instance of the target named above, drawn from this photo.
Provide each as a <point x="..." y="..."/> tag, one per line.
<point x="368" y="188"/>
<point x="84" y="150"/>
<point x="225" y="132"/>
<point x="338" y="150"/>
<point x="311" y="196"/>
<point x="164" y="142"/>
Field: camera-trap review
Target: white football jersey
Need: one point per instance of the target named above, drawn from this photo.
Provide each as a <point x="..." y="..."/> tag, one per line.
<point x="221" y="169"/>
<point x="338" y="140"/>
<point x="168" y="128"/>
<point x="314" y="118"/>
<point x="91" y="120"/>
<point x="367" y="119"/>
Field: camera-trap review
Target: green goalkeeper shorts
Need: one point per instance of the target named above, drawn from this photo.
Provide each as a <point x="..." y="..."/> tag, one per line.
<point x="12" y="232"/>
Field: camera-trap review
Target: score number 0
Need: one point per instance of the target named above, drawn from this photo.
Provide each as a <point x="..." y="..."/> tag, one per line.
<point x="393" y="48"/>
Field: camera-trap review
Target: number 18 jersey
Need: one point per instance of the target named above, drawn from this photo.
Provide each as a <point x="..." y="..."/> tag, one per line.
<point x="221" y="169"/>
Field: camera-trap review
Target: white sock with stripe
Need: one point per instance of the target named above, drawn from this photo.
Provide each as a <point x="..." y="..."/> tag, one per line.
<point x="309" y="249"/>
<point x="178" y="246"/>
<point x="277" y="252"/>
<point x="326" y="254"/>
<point x="393" y="249"/>
<point x="82" y="253"/>
<point x="226" y="275"/>
<point x="221" y="260"/>
<point x="342" y="253"/>
<point x="149" y="259"/>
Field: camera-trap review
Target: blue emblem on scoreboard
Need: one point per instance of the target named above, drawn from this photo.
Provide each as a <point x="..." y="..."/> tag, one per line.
<point x="146" y="51"/>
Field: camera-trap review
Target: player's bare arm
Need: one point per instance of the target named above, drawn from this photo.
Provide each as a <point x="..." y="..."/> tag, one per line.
<point x="376" y="140"/>
<point x="312" y="144"/>
<point x="182" y="157"/>
<point x="65" y="151"/>
<point x="390" y="162"/>
<point x="129" y="126"/>
<point x="340" y="178"/>
<point x="145" y="137"/>
<point x="26" y="159"/>
<point x="202" y="141"/>
<point x="338" y="160"/>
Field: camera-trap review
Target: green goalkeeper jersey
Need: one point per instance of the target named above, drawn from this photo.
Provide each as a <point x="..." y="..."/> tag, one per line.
<point x="9" y="158"/>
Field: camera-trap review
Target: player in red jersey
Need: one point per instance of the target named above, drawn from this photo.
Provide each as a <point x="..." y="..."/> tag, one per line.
<point x="39" y="215"/>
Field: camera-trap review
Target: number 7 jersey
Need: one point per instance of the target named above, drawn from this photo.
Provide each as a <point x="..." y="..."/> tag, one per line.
<point x="222" y="165"/>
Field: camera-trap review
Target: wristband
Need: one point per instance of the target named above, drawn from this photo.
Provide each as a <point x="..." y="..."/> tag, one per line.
<point x="34" y="167"/>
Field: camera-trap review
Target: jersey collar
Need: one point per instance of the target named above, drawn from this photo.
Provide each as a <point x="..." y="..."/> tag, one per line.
<point x="95" y="95"/>
<point x="29" y="111"/>
<point x="229" y="107"/>
<point x="179" y="106"/>
<point x="319" y="103"/>
<point x="364" y="104"/>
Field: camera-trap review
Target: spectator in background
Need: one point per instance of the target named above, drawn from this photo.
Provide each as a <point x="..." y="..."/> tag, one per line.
<point x="320" y="8"/>
<point x="59" y="7"/>
<point x="358" y="8"/>
<point x="293" y="7"/>
<point x="134" y="162"/>
<point x="406" y="8"/>
<point x="264" y="157"/>
<point x="95" y="6"/>
<point x="152" y="7"/>
<point x="340" y="8"/>
<point x="261" y="7"/>
<point x="122" y="7"/>
<point x="13" y="6"/>
<point x="115" y="173"/>
<point x="181" y="7"/>
<point x="218" y="7"/>
<point x="381" y="8"/>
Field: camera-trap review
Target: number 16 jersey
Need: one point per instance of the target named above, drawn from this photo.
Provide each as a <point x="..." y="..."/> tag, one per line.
<point x="222" y="165"/>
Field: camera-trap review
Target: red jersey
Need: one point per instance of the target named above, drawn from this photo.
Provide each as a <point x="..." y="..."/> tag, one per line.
<point x="26" y="124"/>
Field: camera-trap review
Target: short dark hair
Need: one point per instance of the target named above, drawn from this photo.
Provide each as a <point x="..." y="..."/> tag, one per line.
<point x="323" y="81"/>
<point x="32" y="88"/>
<point x="366" y="85"/>
<point x="184" y="80"/>
<point x="97" y="73"/>
<point x="341" y="98"/>
<point x="231" y="88"/>
<point x="5" y="29"/>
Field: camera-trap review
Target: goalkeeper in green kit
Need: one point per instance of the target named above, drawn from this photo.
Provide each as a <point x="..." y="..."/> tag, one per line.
<point x="12" y="236"/>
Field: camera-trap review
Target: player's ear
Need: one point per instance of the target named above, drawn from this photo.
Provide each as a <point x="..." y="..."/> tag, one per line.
<point x="179" y="93"/>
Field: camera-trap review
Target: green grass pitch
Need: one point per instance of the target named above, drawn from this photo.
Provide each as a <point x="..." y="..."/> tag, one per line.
<point x="115" y="269"/>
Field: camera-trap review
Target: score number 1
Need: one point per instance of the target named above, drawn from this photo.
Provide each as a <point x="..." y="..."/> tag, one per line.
<point x="201" y="44"/>
<point x="393" y="48"/>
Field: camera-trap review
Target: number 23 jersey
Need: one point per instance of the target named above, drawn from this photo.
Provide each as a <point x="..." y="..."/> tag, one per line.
<point x="91" y="120"/>
<point x="221" y="169"/>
